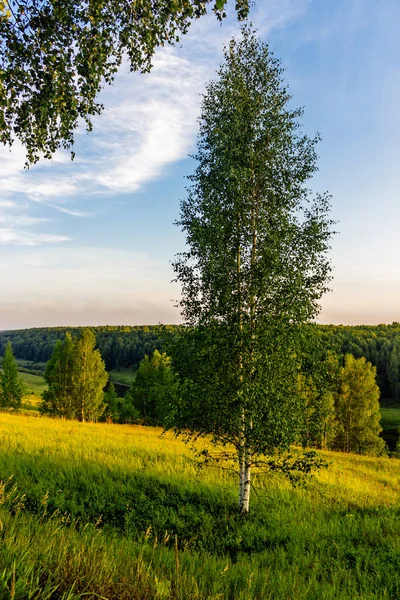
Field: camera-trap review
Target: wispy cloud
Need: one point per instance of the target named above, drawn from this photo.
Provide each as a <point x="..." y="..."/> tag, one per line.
<point x="149" y="123"/>
<point x="23" y="238"/>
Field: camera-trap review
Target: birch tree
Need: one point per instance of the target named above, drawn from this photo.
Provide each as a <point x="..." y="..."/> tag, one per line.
<point x="255" y="265"/>
<point x="76" y="377"/>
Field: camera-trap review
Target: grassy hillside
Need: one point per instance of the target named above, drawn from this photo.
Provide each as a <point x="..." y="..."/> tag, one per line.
<point x="34" y="386"/>
<point x="119" y="512"/>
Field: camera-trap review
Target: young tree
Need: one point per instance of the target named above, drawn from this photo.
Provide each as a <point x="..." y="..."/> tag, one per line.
<point x="58" y="399"/>
<point x="155" y="388"/>
<point x="11" y="388"/>
<point x="256" y="262"/>
<point x="357" y="408"/>
<point x="55" y="57"/>
<point x="89" y="376"/>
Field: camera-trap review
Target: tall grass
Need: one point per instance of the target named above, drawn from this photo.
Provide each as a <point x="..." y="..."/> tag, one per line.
<point x="121" y="512"/>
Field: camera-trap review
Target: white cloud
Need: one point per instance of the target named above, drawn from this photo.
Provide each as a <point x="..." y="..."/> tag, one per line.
<point x="17" y="237"/>
<point x="149" y="123"/>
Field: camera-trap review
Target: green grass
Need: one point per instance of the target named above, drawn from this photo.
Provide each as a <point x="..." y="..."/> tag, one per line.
<point x="390" y="418"/>
<point x="34" y="387"/>
<point x="34" y="384"/>
<point x="125" y="376"/>
<point x="120" y="512"/>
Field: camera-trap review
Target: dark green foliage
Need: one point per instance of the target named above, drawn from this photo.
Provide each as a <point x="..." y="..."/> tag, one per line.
<point x="127" y="412"/>
<point x="11" y="388"/>
<point x="56" y="56"/>
<point x="58" y="398"/>
<point x="155" y="388"/>
<point x="89" y="378"/>
<point x="357" y="408"/>
<point x="377" y="343"/>
<point x="120" y="347"/>
<point x="110" y="413"/>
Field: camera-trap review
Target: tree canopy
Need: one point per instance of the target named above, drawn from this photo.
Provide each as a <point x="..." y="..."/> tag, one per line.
<point x="55" y="57"/>
<point x="256" y="262"/>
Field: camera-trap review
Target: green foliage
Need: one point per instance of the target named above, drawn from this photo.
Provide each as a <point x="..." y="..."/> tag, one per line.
<point x="393" y="368"/>
<point x="120" y="346"/>
<point x="256" y="266"/>
<point x="123" y="347"/>
<point x="320" y="421"/>
<point x="110" y="413"/>
<point x="58" y="398"/>
<point x="56" y="56"/>
<point x="357" y="408"/>
<point x="76" y="377"/>
<point x="11" y="388"/>
<point x="89" y="378"/>
<point x="155" y="388"/>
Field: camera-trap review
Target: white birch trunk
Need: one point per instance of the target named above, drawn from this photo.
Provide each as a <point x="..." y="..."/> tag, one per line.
<point x="245" y="504"/>
<point x="241" y="457"/>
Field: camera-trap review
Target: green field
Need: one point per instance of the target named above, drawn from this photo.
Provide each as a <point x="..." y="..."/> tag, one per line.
<point x="118" y="512"/>
<point x="390" y="417"/>
<point x="34" y="386"/>
<point x="124" y="376"/>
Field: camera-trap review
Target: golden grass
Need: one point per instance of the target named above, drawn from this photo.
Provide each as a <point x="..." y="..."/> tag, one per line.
<point x="358" y="481"/>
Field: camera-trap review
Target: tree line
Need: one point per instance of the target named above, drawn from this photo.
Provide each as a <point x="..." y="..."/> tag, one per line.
<point x="120" y="347"/>
<point x="125" y="346"/>
<point x="340" y="399"/>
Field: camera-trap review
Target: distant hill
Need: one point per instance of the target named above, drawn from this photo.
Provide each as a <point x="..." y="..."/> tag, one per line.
<point x="125" y="346"/>
<point x="120" y="346"/>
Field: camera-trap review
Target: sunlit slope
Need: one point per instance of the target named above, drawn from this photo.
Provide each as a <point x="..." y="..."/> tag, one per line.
<point x="338" y="538"/>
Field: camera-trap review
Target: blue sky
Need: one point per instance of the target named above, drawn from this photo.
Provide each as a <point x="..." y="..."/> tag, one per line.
<point x="90" y="241"/>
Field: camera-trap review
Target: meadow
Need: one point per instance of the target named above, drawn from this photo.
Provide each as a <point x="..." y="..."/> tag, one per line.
<point x="112" y="511"/>
<point x="125" y="376"/>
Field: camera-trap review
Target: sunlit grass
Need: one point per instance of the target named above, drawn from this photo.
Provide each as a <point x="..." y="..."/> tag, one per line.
<point x="130" y="490"/>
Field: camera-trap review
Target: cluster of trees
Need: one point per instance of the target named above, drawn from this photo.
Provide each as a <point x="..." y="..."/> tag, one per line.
<point x="341" y="406"/>
<point x="379" y="344"/>
<point x="150" y="398"/>
<point x="76" y="377"/>
<point x="11" y="388"/>
<point x="340" y="400"/>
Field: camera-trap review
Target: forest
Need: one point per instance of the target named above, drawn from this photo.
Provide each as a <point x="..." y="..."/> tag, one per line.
<point x="125" y="346"/>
